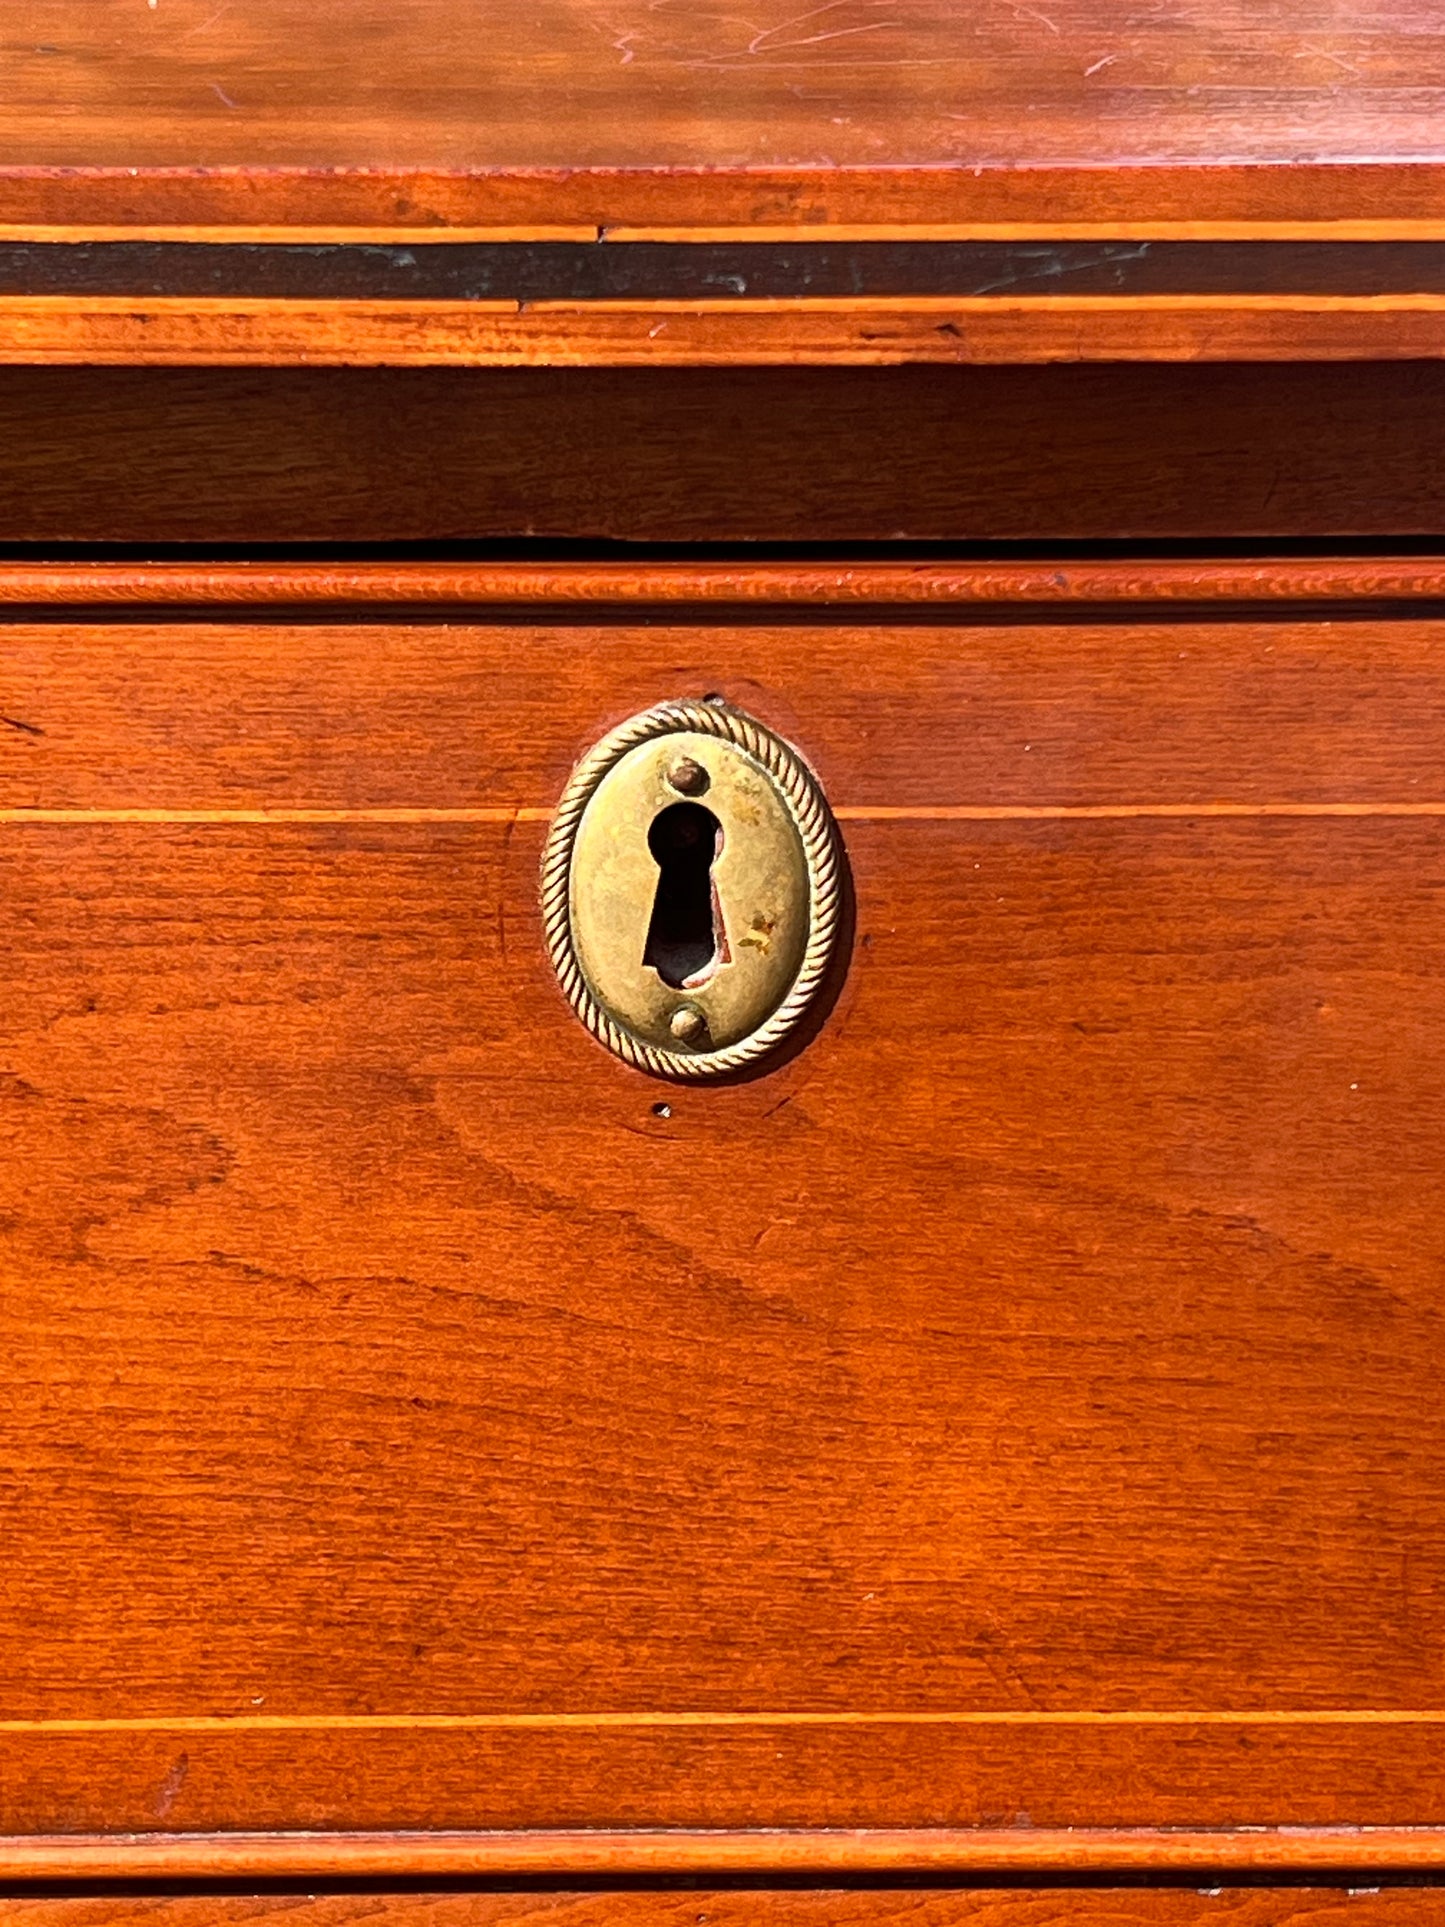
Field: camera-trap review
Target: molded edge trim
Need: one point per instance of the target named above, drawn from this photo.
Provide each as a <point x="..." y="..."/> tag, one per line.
<point x="119" y="586"/>
<point x="569" y="1854"/>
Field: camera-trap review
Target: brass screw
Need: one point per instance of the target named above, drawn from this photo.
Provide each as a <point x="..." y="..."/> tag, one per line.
<point x="687" y="1024"/>
<point x="688" y="777"/>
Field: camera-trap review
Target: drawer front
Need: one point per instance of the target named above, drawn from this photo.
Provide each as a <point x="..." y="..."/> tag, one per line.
<point x="1017" y="1411"/>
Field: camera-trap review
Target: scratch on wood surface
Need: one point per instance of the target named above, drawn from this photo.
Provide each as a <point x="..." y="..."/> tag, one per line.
<point x="171" y="1785"/>
<point x="1030" y="13"/>
<point x="992" y="1651"/>
<point x="1326" y="53"/>
<point x="206" y="25"/>
<point x="623" y="44"/>
<point x="837" y="33"/>
<point x="799" y="20"/>
<point x="766" y="41"/>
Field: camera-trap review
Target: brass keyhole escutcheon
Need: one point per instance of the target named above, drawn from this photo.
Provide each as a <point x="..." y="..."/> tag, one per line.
<point x="691" y="890"/>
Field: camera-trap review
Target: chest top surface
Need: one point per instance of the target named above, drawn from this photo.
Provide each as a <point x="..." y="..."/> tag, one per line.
<point x="574" y="114"/>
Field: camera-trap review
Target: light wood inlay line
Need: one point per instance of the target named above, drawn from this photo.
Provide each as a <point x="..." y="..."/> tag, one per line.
<point x="919" y="304"/>
<point x="263" y="307"/>
<point x="241" y="234"/>
<point x="478" y="1722"/>
<point x="504" y="814"/>
<point x="1181" y="230"/>
<point x="846" y="813"/>
<point x="1085" y="812"/>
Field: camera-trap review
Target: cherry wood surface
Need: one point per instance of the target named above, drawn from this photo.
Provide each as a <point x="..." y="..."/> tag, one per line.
<point x="1199" y="452"/>
<point x="1016" y="1411"/>
<point x="678" y="1858"/>
<point x="578" y="115"/>
<point x="940" y="721"/>
<point x="869" y="332"/>
<point x="999" y="1438"/>
<point x="610" y="124"/>
<point x="1355" y="585"/>
<point x="701" y="1907"/>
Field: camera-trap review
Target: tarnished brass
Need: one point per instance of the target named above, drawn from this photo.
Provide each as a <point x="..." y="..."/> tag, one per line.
<point x="690" y="934"/>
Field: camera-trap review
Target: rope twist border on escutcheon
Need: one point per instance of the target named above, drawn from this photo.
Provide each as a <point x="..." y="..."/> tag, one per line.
<point x="822" y="854"/>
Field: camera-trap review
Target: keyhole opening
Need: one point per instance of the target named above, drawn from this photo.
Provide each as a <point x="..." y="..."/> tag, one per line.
<point x="686" y="941"/>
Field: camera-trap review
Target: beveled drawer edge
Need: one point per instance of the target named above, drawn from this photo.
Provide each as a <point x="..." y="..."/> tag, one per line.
<point x="124" y="585"/>
<point x="974" y="1851"/>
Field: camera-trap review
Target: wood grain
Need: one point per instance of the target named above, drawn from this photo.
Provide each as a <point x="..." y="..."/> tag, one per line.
<point x="839" y="455"/>
<point x="1352" y="583"/>
<point x="1010" y="1421"/>
<point x="876" y="332"/>
<point x="575" y="114"/>
<point x="700" y="1907"/>
<point x="679" y="1859"/>
<point x="589" y="124"/>
<point x="1003" y="1437"/>
<point x="664" y="303"/>
<point x="1382" y="199"/>
<point x="943" y="719"/>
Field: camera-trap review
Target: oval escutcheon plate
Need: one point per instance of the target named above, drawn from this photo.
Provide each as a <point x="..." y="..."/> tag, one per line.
<point x="691" y="890"/>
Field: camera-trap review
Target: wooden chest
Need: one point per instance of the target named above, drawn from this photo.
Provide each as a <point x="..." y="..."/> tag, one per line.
<point x="978" y="1462"/>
